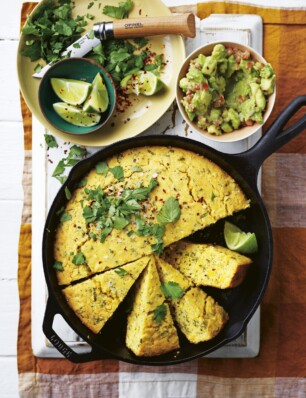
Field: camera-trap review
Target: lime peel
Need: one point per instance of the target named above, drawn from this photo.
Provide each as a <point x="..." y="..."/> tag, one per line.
<point x="237" y="240"/>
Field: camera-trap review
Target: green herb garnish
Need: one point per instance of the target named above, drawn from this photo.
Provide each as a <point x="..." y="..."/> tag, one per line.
<point x="170" y="212"/>
<point x="51" y="30"/>
<point x="65" y="217"/>
<point x="102" y="168"/>
<point x="120" y="12"/>
<point x="160" y="313"/>
<point x="67" y="193"/>
<point x="50" y="141"/>
<point x="172" y="290"/>
<point x="121" y="271"/>
<point x="58" y="265"/>
<point x="212" y="198"/>
<point x="79" y="259"/>
<point x="117" y="172"/>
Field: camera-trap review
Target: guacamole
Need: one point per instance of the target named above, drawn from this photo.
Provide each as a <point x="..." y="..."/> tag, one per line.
<point x="226" y="90"/>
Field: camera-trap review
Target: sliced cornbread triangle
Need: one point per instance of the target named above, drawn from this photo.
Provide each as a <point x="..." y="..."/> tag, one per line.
<point x="199" y="316"/>
<point x="150" y="328"/>
<point x="95" y="300"/>
<point x="208" y="265"/>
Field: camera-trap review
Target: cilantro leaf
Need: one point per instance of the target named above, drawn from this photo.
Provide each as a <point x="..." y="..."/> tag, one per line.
<point x="82" y="183"/>
<point x="140" y="193"/>
<point x="50" y="141"/>
<point x="59" y="169"/>
<point x="212" y="198"/>
<point x="89" y="214"/>
<point x="121" y="271"/>
<point x="65" y="217"/>
<point x="67" y="193"/>
<point x="61" y="179"/>
<point x="160" y="313"/>
<point x="104" y="233"/>
<point x="58" y="265"/>
<point x="120" y="12"/>
<point x="102" y="168"/>
<point x="172" y="290"/>
<point x="117" y="172"/>
<point x="170" y="212"/>
<point x="77" y="151"/>
<point x="120" y="222"/>
<point x="79" y="259"/>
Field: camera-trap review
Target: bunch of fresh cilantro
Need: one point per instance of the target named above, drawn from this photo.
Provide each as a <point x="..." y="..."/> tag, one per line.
<point x="51" y="30"/>
<point x="125" y="57"/>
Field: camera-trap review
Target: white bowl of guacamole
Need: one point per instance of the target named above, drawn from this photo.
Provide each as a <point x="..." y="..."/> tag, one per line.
<point x="226" y="91"/>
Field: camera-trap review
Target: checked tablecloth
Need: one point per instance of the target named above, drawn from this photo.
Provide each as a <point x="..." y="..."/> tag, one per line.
<point x="280" y="368"/>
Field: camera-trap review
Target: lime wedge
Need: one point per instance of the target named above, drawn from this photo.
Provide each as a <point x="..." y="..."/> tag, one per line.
<point x="97" y="100"/>
<point x="75" y="115"/>
<point x="142" y="82"/>
<point x="239" y="241"/>
<point x="73" y="92"/>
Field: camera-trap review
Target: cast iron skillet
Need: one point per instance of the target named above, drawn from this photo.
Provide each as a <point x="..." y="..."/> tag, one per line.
<point x="240" y="302"/>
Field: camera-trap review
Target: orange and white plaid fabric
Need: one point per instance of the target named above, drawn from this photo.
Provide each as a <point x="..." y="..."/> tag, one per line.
<point x="280" y="368"/>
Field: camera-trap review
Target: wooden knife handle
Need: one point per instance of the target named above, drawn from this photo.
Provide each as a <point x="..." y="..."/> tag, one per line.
<point x="183" y="24"/>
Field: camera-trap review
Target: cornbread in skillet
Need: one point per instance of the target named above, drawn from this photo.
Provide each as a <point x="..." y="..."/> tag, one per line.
<point x="208" y="265"/>
<point x="150" y="328"/>
<point x="96" y="299"/>
<point x="205" y="194"/>
<point x="198" y="316"/>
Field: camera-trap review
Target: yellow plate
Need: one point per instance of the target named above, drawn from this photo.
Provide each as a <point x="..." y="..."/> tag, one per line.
<point x="144" y="111"/>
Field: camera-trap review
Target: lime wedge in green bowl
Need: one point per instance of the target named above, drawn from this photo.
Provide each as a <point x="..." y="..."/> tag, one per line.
<point x="81" y="83"/>
<point x="239" y="241"/>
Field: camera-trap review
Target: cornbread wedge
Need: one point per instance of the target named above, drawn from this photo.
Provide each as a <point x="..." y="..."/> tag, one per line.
<point x="208" y="265"/>
<point x="205" y="194"/>
<point x="150" y="328"/>
<point x="199" y="316"/>
<point x="95" y="300"/>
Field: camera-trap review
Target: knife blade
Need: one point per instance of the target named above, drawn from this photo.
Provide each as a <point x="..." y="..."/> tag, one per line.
<point x="183" y="24"/>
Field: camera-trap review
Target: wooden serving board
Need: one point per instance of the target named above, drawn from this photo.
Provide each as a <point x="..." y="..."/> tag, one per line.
<point x="245" y="29"/>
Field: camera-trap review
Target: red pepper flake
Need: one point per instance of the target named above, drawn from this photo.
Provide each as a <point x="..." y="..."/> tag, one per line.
<point x="140" y="11"/>
<point x="164" y="191"/>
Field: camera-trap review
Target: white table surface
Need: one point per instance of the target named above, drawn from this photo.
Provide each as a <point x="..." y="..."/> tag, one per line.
<point x="11" y="194"/>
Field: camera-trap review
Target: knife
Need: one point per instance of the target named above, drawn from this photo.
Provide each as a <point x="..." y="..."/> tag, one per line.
<point x="183" y="24"/>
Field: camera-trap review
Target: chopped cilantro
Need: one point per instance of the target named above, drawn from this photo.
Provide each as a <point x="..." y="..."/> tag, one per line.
<point x="170" y="212"/>
<point x="91" y="34"/>
<point x="120" y="222"/>
<point x="104" y="233"/>
<point x="50" y="141"/>
<point x="117" y="172"/>
<point x="102" y="168"/>
<point x="140" y="193"/>
<point x="65" y="217"/>
<point x="160" y="313"/>
<point x="59" y="169"/>
<point x="172" y="290"/>
<point x="77" y="152"/>
<point x="92" y="236"/>
<point x="90" y="16"/>
<point x="61" y="179"/>
<point x="76" y="45"/>
<point x="58" y="265"/>
<point x="120" y="12"/>
<point x="212" y="198"/>
<point x="121" y="271"/>
<point x="37" y="68"/>
<point x="50" y="30"/>
<point x="90" y="5"/>
<point x="67" y="193"/>
<point x="79" y="259"/>
<point x="82" y="183"/>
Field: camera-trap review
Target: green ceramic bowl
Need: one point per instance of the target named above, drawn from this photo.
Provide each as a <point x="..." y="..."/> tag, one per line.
<point x="78" y="69"/>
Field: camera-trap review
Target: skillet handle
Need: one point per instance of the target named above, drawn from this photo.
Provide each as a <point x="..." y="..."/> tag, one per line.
<point x="274" y="138"/>
<point x="59" y="344"/>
